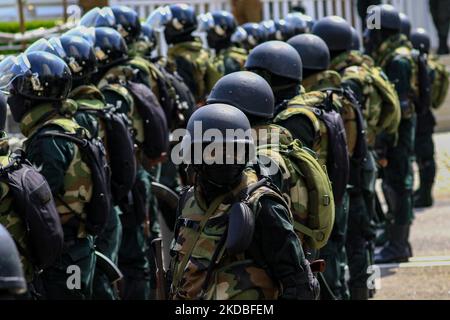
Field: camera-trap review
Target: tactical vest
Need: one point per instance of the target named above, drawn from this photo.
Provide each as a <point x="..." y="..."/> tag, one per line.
<point x="440" y="84"/>
<point x="331" y="146"/>
<point x="234" y="276"/>
<point x="14" y="224"/>
<point x="77" y="185"/>
<point x="194" y="65"/>
<point x="400" y="47"/>
<point x="234" y="59"/>
<point x="381" y="109"/>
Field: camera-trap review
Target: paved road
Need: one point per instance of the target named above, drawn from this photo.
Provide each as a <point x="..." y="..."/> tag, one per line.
<point x="430" y="239"/>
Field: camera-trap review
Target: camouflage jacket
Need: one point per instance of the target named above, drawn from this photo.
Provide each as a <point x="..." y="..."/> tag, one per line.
<point x="261" y="272"/>
<point x="11" y="219"/>
<point x="315" y="86"/>
<point x="233" y="59"/>
<point x="60" y="162"/>
<point x="395" y="58"/>
<point x="376" y="95"/>
<point x="193" y="63"/>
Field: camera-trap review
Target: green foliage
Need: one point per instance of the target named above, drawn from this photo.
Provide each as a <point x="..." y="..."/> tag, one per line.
<point x="14" y="27"/>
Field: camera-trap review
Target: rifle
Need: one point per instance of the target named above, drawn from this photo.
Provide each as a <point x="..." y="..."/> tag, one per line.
<point x="160" y="273"/>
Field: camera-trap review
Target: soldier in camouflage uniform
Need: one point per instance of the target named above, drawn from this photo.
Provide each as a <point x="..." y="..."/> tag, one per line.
<point x="219" y="32"/>
<point x="281" y="65"/>
<point x="41" y="108"/>
<point x="211" y="263"/>
<point x="186" y="54"/>
<point x="111" y="77"/>
<point x="8" y="218"/>
<point x="439" y="78"/>
<point x="80" y="57"/>
<point x="392" y="52"/>
<point x="371" y="88"/>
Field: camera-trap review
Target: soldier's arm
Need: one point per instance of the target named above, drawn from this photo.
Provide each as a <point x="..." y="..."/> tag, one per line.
<point x="282" y="252"/>
<point x="53" y="157"/>
<point x="301" y="128"/>
<point x="356" y="88"/>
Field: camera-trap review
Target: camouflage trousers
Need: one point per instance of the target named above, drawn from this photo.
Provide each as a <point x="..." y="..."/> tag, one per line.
<point x="108" y="243"/>
<point x="60" y="280"/>
<point x="335" y="256"/>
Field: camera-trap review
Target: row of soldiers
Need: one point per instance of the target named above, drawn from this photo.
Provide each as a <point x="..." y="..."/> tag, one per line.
<point x="97" y="105"/>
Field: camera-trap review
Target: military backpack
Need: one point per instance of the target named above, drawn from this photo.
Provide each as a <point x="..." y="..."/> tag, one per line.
<point x="33" y="201"/>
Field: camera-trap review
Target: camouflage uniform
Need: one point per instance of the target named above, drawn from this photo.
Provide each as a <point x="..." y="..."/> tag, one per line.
<point x="358" y="73"/>
<point x="334" y="252"/>
<point x="11" y="220"/>
<point x="133" y="260"/>
<point x="394" y="57"/>
<point x="273" y="258"/>
<point x="109" y="241"/>
<point x="69" y="178"/>
<point x="233" y="59"/>
<point x="424" y="146"/>
<point x="194" y="65"/>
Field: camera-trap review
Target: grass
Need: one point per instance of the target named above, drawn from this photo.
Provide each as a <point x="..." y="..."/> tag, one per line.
<point x="14" y="27"/>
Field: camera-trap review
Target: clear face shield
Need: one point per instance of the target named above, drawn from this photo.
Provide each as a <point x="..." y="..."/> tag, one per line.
<point x="13" y="67"/>
<point x="158" y="20"/>
<point x="99" y="17"/>
<point x="205" y="23"/>
<point x="53" y="46"/>
<point x="239" y="36"/>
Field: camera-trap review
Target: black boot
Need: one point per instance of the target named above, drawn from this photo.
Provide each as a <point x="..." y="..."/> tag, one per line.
<point x="443" y="47"/>
<point x="423" y="197"/>
<point x="397" y="248"/>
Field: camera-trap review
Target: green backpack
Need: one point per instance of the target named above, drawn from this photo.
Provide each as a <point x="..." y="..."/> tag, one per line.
<point x="440" y="82"/>
<point x="300" y="167"/>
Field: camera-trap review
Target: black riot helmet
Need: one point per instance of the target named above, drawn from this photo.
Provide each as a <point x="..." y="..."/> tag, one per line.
<point x="269" y="28"/>
<point x="255" y="35"/>
<point x="216" y="118"/>
<point x="277" y="58"/>
<point x="127" y="23"/>
<point x="284" y="30"/>
<point x="335" y="31"/>
<point x="387" y="17"/>
<point x="80" y="56"/>
<point x="298" y="21"/>
<point x="313" y="51"/>
<point x="405" y="25"/>
<point x="12" y="280"/>
<point x="3" y="111"/>
<point x="110" y="47"/>
<point x="98" y="17"/>
<point x="182" y="22"/>
<point x="221" y="29"/>
<point x="246" y="91"/>
<point x="148" y="35"/>
<point x="356" y="42"/>
<point x="36" y="75"/>
<point x="420" y="40"/>
<point x="87" y="33"/>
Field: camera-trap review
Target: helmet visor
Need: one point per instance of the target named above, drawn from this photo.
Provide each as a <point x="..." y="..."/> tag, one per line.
<point x="205" y="22"/>
<point x="159" y="18"/>
<point x="11" y="68"/>
<point x="239" y="36"/>
<point x="53" y="46"/>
